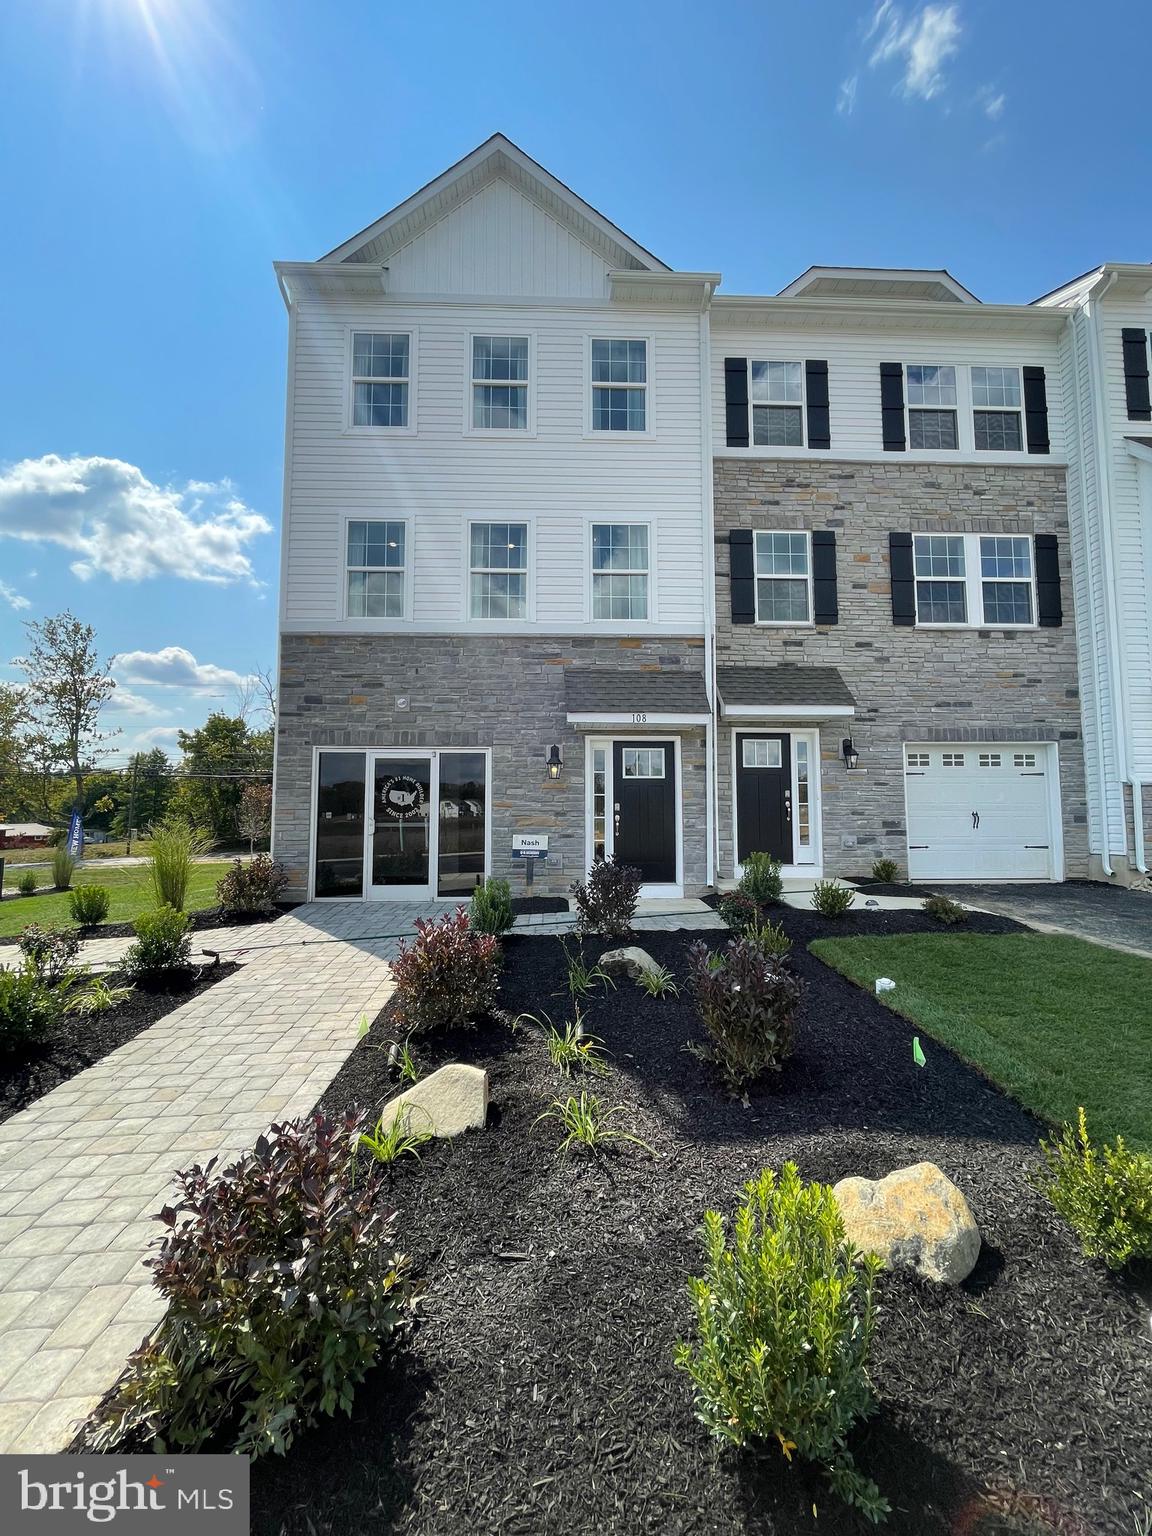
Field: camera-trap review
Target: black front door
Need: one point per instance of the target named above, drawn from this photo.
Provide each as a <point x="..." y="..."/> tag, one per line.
<point x="644" y="808"/>
<point x="764" y="796"/>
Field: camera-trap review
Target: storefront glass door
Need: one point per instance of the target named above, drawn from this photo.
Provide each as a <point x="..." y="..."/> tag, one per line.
<point x="402" y="844"/>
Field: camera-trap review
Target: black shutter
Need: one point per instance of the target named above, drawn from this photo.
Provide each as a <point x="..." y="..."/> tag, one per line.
<point x="816" y="381"/>
<point x="902" y="577"/>
<point x="736" y="401"/>
<point x="1050" y="610"/>
<point x="826" y="610"/>
<point x="1136" y="374"/>
<point x="892" y="406"/>
<point x="742" y="576"/>
<point x="1036" y="410"/>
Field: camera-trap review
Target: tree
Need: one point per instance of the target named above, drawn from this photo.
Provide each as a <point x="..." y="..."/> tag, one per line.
<point x="219" y="759"/>
<point x="67" y="687"/>
<point x="13" y="722"/>
<point x="255" y="814"/>
<point x="155" y="783"/>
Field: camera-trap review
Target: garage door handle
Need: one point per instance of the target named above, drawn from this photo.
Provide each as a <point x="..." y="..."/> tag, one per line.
<point x="975" y="820"/>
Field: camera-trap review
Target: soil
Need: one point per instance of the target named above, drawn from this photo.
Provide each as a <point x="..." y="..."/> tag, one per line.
<point x="201" y="922"/>
<point x="537" y="1393"/>
<point x="75" y="1043"/>
<point x="523" y="905"/>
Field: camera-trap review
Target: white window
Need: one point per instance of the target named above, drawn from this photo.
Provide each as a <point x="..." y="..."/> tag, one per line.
<point x="380" y="364"/>
<point x="498" y="571"/>
<point x="918" y="760"/>
<point x="760" y="754"/>
<point x="931" y="389"/>
<point x="376" y="570"/>
<point x="989" y="759"/>
<point x="997" y="426"/>
<point x="500" y="383"/>
<point x="643" y="762"/>
<point x="974" y="578"/>
<point x="619" y="571"/>
<point x="776" y="391"/>
<point x="619" y="385"/>
<point x="1024" y="760"/>
<point x="783" y="578"/>
<point x="953" y="759"/>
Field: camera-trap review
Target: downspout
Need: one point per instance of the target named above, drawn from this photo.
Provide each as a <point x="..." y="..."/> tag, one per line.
<point x="708" y="572"/>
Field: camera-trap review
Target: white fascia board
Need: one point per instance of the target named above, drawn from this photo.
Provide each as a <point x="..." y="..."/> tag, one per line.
<point x="650" y="718"/>
<point x="787" y="711"/>
<point x="730" y="311"/>
<point x="693" y="289"/>
<point x="1139" y="451"/>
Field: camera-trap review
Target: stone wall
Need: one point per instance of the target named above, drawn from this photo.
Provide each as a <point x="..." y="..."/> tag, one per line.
<point x="504" y="693"/>
<point x="909" y="684"/>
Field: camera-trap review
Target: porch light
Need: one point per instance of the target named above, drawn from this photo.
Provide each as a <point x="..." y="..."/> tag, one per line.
<point x="851" y="756"/>
<point x="554" y="762"/>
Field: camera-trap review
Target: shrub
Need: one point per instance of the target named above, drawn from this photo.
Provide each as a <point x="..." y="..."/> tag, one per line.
<point x="446" y="976"/>
<point x="740" y="912"/>
<point x="26" y="884"/>
<point x="886" y="871"/>
<point x="63" y="868"/>
<point x="760" y="879"/>
<point x="606" y="901"/>
<point x="747" y="1004"/>
<point x="49" y="953"/>
<point x="253" y="887"/>
<point x="1103" y="1193"/>
<point x="171" y="849"/>
<point x="89" y="904"/>
<point x="282" y="1283"/>
<point x="491" y="907"/>
<point x="784" y="1315"/>
<point x="770" y="939"/>
<point x="831" y="898"/>
<point x="28" y="1008"/>
<point x="162" y="944"/>
<point x="944" y="909"/>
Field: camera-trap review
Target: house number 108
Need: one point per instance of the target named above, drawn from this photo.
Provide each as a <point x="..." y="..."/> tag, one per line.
<point x="639" y="719"/>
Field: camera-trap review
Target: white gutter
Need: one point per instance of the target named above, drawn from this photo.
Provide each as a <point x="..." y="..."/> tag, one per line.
<point x="708" y="571"/>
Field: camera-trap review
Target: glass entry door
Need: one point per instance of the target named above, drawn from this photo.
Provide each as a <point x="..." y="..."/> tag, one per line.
<point x="402" y="825"/>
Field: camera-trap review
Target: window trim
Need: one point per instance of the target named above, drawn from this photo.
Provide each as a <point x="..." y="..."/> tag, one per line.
<point x="965" y="411"/>
<point x="529" y="525"/>
<point x="957" y="410"/>
<point x="350" y="427"/>
<point x="470" y="381"/>
<point x="599" y="435"/>
<point x="408" y="568"/>
<point x="591" y="573"/>
<point x="1014" y="410"/>
<point x="801" y="405"/>
<point x="973" y="581"/>
<point x="810" y="621"/>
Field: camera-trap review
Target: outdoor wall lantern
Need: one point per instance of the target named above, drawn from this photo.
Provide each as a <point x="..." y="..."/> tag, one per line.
<point x="555" y="763"/>
<point x="851" y="756"/>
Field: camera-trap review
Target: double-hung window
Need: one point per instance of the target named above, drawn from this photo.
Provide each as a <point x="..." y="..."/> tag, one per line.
<point x="498" y="573"/>
<point x="619" y="571"/>
<point x="500" y="383"/>
<point x="996" y="410"/>
<point x="974" y="578"/>
<point x="776" y="392"/>
<point x="931" y="406"/>
<point x="376" y="570"/>
<point x="783" y="578"/>
<point x="619" y="385"/>
<point x="380" y="367"/>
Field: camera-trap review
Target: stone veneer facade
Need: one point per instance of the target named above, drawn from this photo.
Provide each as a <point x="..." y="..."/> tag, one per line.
<point x="501" y="692"/>
<point x="910" y="685"/>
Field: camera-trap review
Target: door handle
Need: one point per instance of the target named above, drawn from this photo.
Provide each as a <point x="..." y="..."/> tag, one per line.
<point x="975" y="820"/>
<point x="788" y="804"/>
<point x="616" y="817"/>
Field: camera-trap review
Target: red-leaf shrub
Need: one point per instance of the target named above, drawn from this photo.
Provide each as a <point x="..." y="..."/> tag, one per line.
<point x="606" y="901"/>
<point x="448" y="975"/>
<point x="747" y="1002"/>
<point x="253" y="887"/>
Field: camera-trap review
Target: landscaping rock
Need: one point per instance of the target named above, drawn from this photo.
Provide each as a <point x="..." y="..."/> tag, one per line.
<point x="449" y="1101"/>
<point x="913" y="1219"/>
<point x="631" y="961"/>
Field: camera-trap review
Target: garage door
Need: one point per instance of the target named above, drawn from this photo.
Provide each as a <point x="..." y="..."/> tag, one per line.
<point x="979" y="812"/>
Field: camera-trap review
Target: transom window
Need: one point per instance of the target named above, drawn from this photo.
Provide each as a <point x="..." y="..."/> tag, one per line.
<point x="498" y="571"/>
<point x="619" y="385"/>
<point x="760" y="754"/>
<point x="953" y="759"/>
<point x="783" y="578"/>
<point x="380" y="361"/>
<point x="919" y="759"/>
<point x="500" y="383"/>
<point x="777" y="396"/>
<point x="996" y="410"/>
<point x="931" y="406"/>
<point x="643" y="762"/>
<point x="376" y="570"/>
<point x="619" y="571"/>
<point x="974" y="578"/>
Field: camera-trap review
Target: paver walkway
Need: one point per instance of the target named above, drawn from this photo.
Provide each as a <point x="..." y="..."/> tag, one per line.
<point x="1086" y="909"/>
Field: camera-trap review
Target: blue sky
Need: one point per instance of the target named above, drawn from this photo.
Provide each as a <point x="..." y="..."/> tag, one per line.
<point x="159" y="154"/>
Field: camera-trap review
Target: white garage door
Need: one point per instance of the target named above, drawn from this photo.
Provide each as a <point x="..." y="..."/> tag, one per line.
<point x="979" y="812"/>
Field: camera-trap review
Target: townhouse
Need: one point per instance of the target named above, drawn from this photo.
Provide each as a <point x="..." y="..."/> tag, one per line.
<point x="581" y="557"/>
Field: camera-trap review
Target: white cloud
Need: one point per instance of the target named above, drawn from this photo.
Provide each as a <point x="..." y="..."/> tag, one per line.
<point x="921" y="43"/>
<point x="992" y="102"/>
<point x="13" y="598"/>
<point x="174" y="667"/>
<point x="125" y="702"/>
<point x="122" y="525"/>
<point x="156" y="736"/>
<point x="846" y="98"/>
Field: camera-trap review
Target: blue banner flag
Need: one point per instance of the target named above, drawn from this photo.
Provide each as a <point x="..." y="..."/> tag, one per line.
<point x="75" y="844"/>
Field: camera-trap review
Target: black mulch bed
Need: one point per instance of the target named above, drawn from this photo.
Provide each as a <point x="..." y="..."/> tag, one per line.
<point x="202" y="922"/>
<point x="523" y="905"/>
<point x="76" y="1043"/>
<point x="538" y="1393"/>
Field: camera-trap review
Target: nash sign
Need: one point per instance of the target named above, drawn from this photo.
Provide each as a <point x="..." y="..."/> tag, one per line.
<point x="529" y="845"/>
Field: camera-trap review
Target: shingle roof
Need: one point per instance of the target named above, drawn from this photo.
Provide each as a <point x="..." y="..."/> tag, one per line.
<point x="612" y="691"/>
<point x="783" y="684"/>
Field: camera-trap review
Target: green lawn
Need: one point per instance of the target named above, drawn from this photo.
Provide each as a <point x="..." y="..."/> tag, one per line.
<point x="1056" y="1022"/>
<point x="131" y="894"/>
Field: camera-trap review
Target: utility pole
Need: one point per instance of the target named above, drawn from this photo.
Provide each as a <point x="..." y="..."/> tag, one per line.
<point x="132" y="804"/>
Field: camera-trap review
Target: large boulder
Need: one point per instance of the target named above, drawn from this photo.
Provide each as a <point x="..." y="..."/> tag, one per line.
<point x="913" y="1219"/>
<point x="630" y="961"/>
<point x="451" y="1100"/>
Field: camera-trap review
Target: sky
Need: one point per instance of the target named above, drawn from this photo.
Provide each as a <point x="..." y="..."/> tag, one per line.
<point x="156" y="156"/>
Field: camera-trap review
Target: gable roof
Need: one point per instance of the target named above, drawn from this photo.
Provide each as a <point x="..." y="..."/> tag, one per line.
<point x="496" y="157"/>
<point x="932" y="285"/>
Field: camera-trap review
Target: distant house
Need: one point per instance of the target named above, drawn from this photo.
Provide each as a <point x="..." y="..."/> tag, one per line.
<point x="24" y="834"/>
